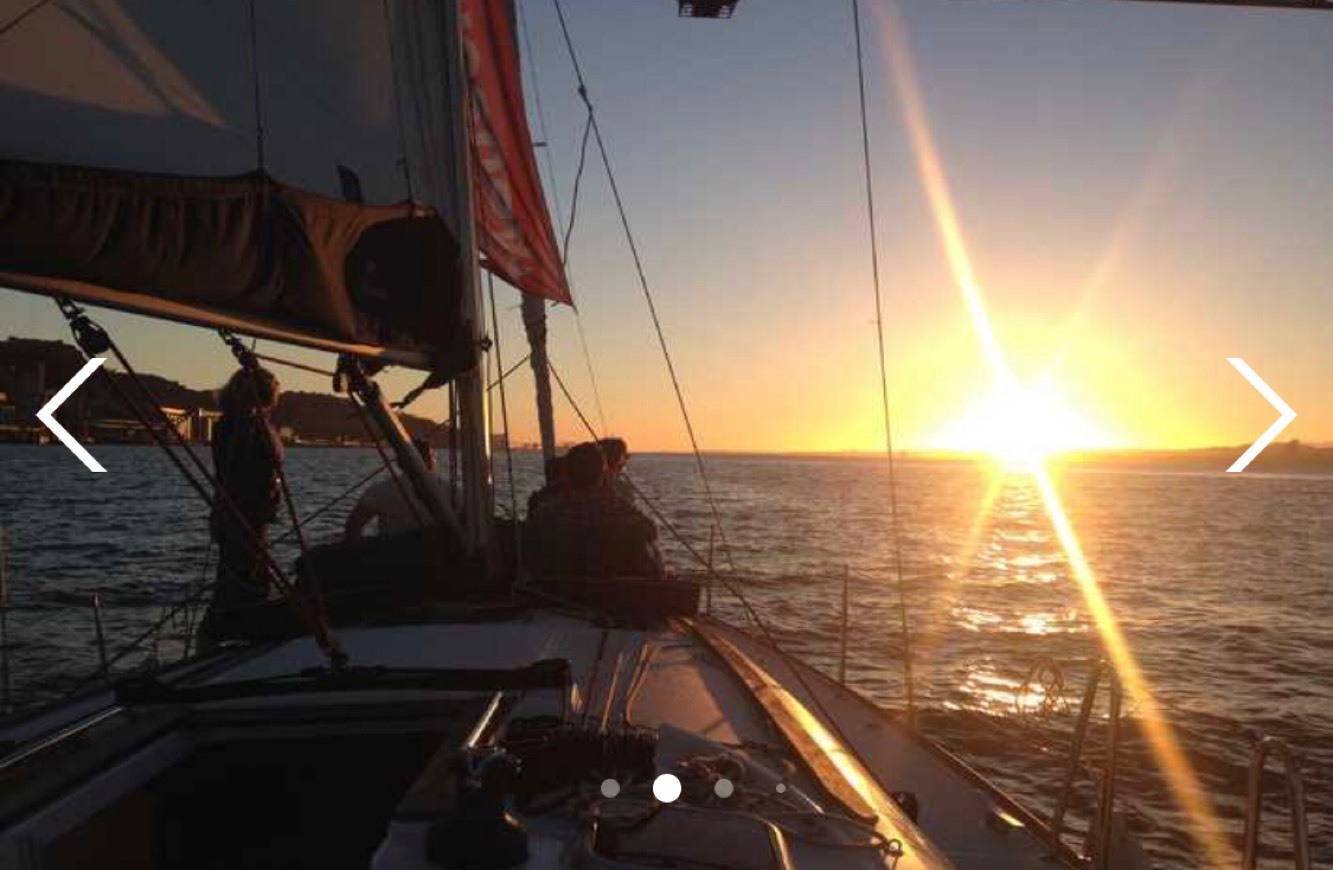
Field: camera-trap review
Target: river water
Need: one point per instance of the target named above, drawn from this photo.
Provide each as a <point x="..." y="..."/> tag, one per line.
<point x="1222" y="586"/>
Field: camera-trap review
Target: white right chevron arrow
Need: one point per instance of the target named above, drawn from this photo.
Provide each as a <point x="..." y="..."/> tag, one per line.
<point x="1273" y="399"/>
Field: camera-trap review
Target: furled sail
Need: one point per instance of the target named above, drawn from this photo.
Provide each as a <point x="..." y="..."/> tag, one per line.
<point x="193" y="160"/>
<point x="513" y="224"/>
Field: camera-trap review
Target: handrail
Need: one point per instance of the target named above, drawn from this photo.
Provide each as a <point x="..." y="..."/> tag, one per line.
<point x="1300" y="832"/>
<point x="1100" y="833"/>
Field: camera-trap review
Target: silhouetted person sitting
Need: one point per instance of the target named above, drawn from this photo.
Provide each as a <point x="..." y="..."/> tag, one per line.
<point x="394" y="502"/>
<point x="589" y="530"/>
<point x="557" y="481"/>
<point x="616" y="453"/>
<point x="247" y="459"/>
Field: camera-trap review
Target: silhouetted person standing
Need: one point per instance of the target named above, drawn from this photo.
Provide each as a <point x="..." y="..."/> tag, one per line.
<point x="247" y="458"/>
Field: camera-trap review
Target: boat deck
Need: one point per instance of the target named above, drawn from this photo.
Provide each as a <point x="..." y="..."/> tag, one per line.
<point x="798" y="744"/>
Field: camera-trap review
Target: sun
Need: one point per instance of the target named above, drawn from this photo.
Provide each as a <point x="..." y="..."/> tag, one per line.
<point x="1020" y="427"/>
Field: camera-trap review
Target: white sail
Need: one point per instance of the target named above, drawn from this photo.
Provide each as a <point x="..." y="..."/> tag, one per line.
<point x="173" y="158"/>
<point x="173" y="87"/>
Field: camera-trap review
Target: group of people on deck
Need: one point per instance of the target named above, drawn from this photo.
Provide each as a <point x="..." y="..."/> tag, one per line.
<point x="582" y="522"/>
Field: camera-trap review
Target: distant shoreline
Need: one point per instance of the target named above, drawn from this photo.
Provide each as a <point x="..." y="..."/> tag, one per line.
<point x="1283" y="458"/>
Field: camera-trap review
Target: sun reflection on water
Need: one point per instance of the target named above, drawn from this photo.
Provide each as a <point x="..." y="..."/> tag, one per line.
<point x="1017" y="447"/>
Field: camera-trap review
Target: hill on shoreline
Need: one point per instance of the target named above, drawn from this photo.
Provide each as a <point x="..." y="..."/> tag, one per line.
<point x="32" y="367"/>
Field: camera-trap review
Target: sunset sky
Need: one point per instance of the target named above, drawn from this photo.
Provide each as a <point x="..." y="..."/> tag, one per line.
<point x="1143" y="191"/>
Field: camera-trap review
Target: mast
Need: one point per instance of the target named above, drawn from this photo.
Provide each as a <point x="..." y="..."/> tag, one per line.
<point x="534" y="319"/>
<point x="474" y="434"/>
<point x="534" y="322"/>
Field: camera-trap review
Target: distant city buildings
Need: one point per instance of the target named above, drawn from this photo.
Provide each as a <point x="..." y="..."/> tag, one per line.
<point x="32" y="370"/>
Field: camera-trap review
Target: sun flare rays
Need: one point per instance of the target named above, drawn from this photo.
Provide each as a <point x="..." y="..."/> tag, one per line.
<point x="1012" y="441"/>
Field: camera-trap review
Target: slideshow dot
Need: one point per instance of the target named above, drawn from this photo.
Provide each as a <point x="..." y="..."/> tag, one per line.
<point x="723" y="788"/>
<point x="610" y="788"/>
<point x="782" y="788"/>
<point x="666" y="788"/>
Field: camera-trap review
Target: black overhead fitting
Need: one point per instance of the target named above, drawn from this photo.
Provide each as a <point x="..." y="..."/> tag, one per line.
<point x="726" y="8"/>
<point x="1326" y="5"/>
<point x="707" y="8"/>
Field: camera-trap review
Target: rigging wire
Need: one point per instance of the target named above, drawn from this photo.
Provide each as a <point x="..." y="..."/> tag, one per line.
<point x="643" y="279"/>
<point x="896" y="532"/>
<point x="568" y="227"/>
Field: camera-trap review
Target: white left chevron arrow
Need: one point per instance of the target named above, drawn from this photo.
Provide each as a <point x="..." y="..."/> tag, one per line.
<point x="46" y="415"/>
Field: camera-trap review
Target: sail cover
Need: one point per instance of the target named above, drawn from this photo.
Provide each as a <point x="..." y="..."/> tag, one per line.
<point x="190" y="159"/>
<point x="513" y="225"/>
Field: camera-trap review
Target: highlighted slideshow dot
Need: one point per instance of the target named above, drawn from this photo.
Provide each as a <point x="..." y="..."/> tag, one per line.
<point x="666" y="788"/>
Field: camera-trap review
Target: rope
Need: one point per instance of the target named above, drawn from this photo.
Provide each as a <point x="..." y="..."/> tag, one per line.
<point x="578" y="186"/>
<point x="21" y="17"/>
<point x="398" y="102"/>
<point x="564" y="255"/>
<point x="643" y="279"/>
<point x="883" y="368"/>
<point x="254" y="78"/>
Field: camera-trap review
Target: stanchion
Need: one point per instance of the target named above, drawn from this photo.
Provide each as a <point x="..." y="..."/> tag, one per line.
<point x="842" y="654"/>
<point x="101" y="634"/>
<point x="6" y="700"/>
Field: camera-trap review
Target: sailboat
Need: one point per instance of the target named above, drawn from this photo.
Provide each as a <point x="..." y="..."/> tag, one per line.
<point x="336" y="174"/>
